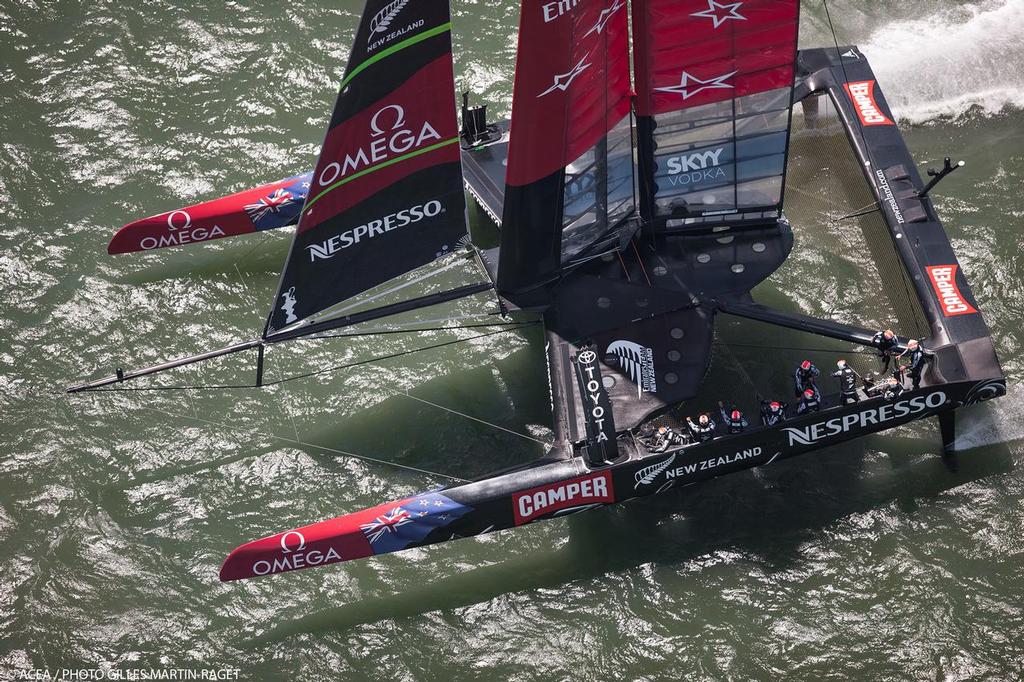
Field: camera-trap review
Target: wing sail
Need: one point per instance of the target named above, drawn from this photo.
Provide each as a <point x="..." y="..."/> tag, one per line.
<point x="714" y="89"/>
<point x="570" y="164"/>
<point x="386" y="194"/>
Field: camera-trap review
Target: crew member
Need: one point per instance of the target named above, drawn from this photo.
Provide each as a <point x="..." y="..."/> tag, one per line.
<point x="703" y="429"/>
<point x="803" y="377"/>
<point x="772" y="412"/>
<point x="918" y="356"/>
<point x="847" y="383"/>
<point x="734" y="421"/>
<point x="809" y="402"/>
<point x="887" y="344"/>
<point x="871" y="387"/>
<point x="663" y="439"/>
<point x="892" y="389"/>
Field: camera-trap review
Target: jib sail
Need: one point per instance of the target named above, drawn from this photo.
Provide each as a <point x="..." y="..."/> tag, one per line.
<point x="714" y="84"/>
<point x="386" y="194"/>
<point x="569" y="180"/>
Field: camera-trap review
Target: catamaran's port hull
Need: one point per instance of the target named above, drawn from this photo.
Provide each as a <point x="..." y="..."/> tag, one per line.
<point x="550" y="489"/>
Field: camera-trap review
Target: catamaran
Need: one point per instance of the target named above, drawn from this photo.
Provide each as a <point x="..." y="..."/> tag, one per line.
<point x="638" y="189"/>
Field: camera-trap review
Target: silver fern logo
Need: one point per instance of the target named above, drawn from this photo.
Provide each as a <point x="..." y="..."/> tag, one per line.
<point x="647" y="475"/>
<point x="382" y="19"/>
<point x="636" y="362"/>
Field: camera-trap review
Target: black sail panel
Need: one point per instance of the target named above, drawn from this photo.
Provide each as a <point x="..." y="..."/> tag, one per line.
<point x="386" y="195"/>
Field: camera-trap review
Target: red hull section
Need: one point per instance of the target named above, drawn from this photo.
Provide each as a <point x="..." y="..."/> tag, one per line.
<point x="263" y="208"/>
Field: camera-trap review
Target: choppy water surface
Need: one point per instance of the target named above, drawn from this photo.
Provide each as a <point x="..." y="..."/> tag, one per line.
<point x="868" y="561"/>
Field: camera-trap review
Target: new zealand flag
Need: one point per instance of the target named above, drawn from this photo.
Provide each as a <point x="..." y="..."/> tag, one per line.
<point x="411" y="521"/>
<point x="282" y="206"/>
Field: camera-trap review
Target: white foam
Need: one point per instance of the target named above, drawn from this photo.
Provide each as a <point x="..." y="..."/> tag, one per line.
<point x="957" y="59"/>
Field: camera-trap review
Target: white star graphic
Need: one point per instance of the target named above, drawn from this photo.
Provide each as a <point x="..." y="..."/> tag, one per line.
<point x="602" y="20"/>
<point x="712" y="12"/>
<point x="684" y="88"/>
<point x="563" y="80"/>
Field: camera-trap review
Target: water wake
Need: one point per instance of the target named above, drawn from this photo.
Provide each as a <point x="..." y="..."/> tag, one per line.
<point x="957" y="60"/>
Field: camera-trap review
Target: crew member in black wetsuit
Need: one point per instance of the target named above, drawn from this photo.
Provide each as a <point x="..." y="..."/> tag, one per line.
<point x="892" y="389"/>
<point x="664" y="438"/>
<point x="847" y="383"/>
<point x="772" y="412"/>
<point x="810" y="401"/>
<point x="918" y="357"/>
<point x="887" y="344"/>
<point x="703" y="429"/>
<point x="733" y="421"/>
<point x="803" y="377"/>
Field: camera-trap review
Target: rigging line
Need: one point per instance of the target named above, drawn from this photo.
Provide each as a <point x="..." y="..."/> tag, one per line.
<point x="200" y="387"/>
<point x="858" y="213"/>
<point x="640" y="260"/>
<point x="624" y="268"/>
<point x="380" y="331"/>
<point x="396" y="355"/>
<point x="416" y="280"/>
<point x="842" y="64"/>
<point x="285" y="439"/>
<point x="469" y="416"/>
<point x="804" y="348"/>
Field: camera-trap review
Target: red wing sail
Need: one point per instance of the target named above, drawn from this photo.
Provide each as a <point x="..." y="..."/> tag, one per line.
<point x="714" y="84"/>
<point x="569" y="178"/>
<point x="387" y="192"/>
<point x="262" y="208"/>
<point x="571" y="85"/>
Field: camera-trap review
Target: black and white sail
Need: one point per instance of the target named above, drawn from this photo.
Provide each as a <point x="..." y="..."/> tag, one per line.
<point x="386" y="194"/>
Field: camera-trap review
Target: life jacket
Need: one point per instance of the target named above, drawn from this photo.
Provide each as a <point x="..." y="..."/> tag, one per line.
<point x="735" y="424"/>
<point x="809" y="404"/>
<point x="893" y="392"/>
<point x="847" y="380"/>
<point x="917" y="360"/>
<point x="884" y="344"/>
<point x="702" y="432"/>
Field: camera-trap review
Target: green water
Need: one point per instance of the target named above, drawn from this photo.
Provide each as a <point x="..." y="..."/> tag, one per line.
<point x="868" y="561"/>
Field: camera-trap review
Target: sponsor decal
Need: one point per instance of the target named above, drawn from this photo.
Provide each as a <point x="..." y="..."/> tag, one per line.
<point x="295" y="556"/>
<point x="887" y="195"/>
<point x="943" y="279"/>
<point x="390" y="135"/>
<point x="605" y="16"/>
<point x="808" y="435"/>
<point x="181" y="232"/>
<point x="382" y="30"/>
<point x="649" y="475"/>
<point x="600" y="422"/>
<point x="985" y="390"/>
<point x="562" y="81"/>
<point x="411" y="521"/>
<point x="850" y="54"/>
<point x="531" y="504"/>
<point x="288" y="305"/>
<point x="374" y="228"/>
<point x="637" y="362"/>
<point x="862" y="94"/>
<point x="690" y="85"/>
<point x="695" y="168"/>
<point x="721" y="12"/>
<point x="558" y="8"/>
